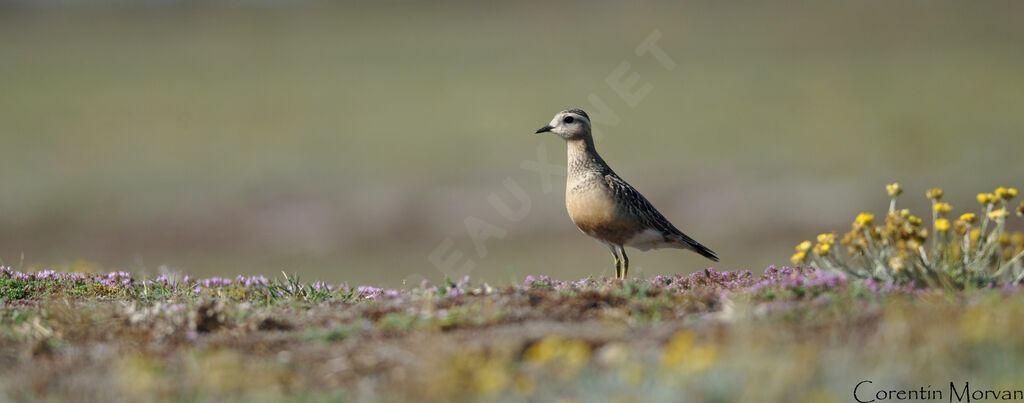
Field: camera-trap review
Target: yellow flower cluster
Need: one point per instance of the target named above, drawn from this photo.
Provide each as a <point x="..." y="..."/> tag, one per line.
<point x="894" y="189"/>
<point x="682" y="352"/>
<point x="822" y="248"/>
<point x="902" y="230"/>
<point x="1006" y="193"/>
<point x="900" y="248"/>
<point x="865" y="219"/>
<point x="825" y="242"/>
<point x="473" y="372"/>
<point x="964" y="224"/>
<point x="564" y="357"/>
<point x="998" y="214"/>
<point x="800" y="257"/>
<point x="913" y="220"/>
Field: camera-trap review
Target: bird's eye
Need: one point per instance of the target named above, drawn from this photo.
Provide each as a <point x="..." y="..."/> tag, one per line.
<point x="567" y="120"/>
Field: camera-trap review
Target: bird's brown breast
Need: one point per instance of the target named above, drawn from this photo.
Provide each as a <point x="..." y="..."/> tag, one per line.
<point x="592" y="208"/>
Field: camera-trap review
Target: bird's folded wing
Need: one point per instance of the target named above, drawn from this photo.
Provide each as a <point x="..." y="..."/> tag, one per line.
<point x="635" y="204"/>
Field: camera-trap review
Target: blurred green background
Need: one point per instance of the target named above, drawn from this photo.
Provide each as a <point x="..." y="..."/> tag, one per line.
<point x="346" y="142"/>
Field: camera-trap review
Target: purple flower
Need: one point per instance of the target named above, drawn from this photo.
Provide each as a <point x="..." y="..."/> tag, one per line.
<point x="368" y="292"/>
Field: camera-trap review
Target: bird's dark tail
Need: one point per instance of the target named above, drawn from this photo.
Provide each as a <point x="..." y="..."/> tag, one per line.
<point x="688" y="243"/>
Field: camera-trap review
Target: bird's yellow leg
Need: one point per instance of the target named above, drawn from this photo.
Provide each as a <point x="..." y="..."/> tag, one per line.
<point x="618" y="262"/>
<point x="625" y="262"/>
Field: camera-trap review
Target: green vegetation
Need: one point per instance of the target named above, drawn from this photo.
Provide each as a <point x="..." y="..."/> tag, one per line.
<point x="787" y="335"/>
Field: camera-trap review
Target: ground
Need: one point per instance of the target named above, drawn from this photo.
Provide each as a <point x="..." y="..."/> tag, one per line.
<point x="786" y="335"/>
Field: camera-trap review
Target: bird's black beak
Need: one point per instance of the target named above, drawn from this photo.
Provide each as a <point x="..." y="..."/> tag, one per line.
<point x="544" y="129"/>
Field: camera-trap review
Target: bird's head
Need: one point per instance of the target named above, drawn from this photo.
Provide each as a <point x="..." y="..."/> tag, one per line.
<point x="569" y="124"/>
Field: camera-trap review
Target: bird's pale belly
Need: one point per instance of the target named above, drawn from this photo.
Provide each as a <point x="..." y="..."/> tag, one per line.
<point x="595" y="213"/>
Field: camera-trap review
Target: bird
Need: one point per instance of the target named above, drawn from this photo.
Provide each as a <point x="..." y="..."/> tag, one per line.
<point x="606" y="207"/>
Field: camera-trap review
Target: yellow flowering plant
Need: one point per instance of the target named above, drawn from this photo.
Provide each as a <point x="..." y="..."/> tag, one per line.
<point x="974" y="250"/>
